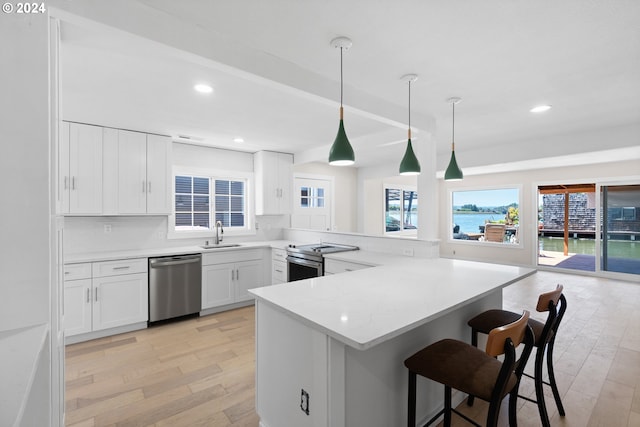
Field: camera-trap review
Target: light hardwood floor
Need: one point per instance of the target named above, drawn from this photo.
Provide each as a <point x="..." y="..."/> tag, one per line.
<point x="200" y="372"/>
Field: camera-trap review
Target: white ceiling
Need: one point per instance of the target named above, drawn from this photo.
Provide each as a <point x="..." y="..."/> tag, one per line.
<point x="276" y="77"/>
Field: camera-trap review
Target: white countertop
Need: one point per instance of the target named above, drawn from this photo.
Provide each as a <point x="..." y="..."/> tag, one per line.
<point x="154" y="252"/>
<point x="369" y="306"/>
<point x="20" y="351"/>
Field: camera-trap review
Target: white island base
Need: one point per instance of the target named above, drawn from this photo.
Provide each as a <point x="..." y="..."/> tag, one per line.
<point x="311" y="373"/>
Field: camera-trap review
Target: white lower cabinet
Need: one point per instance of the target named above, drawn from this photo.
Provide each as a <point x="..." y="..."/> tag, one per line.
<point x="119" y="300"/>
<point x="104" y="295"/>
<point x="77" y="306"/>
<point x="228" y="275"/>
<point x="278" y="266"/>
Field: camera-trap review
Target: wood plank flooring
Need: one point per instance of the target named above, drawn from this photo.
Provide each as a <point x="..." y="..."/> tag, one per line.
<point x="200" y="372"/>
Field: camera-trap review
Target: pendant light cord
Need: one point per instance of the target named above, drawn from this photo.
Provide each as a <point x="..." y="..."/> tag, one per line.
<point x="453" y="127"/>
<point x="341" y="90"/>
<point x="409" y="130"/>
<point x="409" y="104"/>
<point x="340" y="76"/>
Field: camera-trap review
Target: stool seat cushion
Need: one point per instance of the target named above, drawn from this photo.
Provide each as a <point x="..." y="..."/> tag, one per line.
<point x="490" y="319"/>
<point x="461" y="366"/>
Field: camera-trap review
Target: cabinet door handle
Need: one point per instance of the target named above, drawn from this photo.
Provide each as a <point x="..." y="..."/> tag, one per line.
<point x="66" y="182"/>
<point x="96" y="294"/>
<point x="237" y="274"/>
<point x="233" y="275"/>
<point x="279" y="271"/>
<point x="73" y="183"/>
<point x="124" y="267"/>
<point x="148" y="186"/>
<point x="88" y="295"/>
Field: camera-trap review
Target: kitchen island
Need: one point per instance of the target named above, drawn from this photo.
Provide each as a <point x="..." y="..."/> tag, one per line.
<point x="330" y="350"/>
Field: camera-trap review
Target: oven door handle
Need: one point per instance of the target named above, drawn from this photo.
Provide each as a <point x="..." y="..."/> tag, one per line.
<point x="300" y="261"/>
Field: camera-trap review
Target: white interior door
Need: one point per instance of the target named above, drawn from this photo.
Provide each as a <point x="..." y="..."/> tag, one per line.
<point x="312" y="200"/>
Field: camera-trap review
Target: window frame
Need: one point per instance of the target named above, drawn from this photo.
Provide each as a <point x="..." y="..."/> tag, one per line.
<point x="522" y="217"/>
<point x="213" y="174"/>
<point x="403" y="232"/>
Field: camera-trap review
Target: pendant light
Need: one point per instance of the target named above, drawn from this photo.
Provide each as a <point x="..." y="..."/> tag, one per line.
<point x="341" y="153"/>
<point x="453" y="172"/>
<point x="409" y="164"/>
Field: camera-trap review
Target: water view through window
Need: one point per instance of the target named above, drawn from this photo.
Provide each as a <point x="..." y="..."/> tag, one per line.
<point x="472" y="210"/>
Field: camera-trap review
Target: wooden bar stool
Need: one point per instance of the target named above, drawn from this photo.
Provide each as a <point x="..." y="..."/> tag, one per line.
<point x="545" y="335"/>
<point x="459" y="365"/>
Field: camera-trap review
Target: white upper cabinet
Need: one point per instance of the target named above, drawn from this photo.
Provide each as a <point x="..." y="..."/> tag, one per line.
<point x="273" y="182"/>
<point x="143" y="173"/>
<point x="158" y="174"/>
<point x="107" y="171"/>
<point x="80" y="169"/>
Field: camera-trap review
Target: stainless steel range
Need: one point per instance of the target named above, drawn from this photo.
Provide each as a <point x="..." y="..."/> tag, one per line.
<point x="307" y="261"/>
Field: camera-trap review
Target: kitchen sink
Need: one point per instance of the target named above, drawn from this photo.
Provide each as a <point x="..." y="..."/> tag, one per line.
<point x="220" y="246"/>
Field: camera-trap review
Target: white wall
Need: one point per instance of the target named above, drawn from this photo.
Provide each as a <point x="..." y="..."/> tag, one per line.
<point x="24" y="171"/>
<point x="28" y="247"/>
<point x="345" y="191"/>
<point x="198" y="156"/>
<point x="529" y="180"/>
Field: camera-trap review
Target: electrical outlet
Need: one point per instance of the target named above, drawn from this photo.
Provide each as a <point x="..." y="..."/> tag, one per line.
<point x="304" y="401"/>
<point x="407" y="252"/>
<point x="107" y="228"/>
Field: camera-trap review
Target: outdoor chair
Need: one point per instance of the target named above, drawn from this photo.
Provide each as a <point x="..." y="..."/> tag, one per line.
<point x="494" y="232"/>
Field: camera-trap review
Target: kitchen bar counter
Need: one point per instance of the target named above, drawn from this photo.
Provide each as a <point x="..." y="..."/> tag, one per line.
<point x="330" y="350"/>
<point x="366" y="307"/>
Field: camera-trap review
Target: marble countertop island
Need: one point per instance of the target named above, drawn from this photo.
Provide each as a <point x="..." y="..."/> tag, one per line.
<point x="366" y="307"/>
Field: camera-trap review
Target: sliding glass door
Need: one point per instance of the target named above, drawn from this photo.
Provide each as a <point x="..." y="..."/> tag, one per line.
<point x="620" y="247"/>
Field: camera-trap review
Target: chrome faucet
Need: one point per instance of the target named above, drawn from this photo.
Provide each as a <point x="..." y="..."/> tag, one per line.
<point x="218" y="236"/>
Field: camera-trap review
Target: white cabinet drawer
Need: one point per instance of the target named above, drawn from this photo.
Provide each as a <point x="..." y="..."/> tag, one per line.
<point x="334" y="266"/>
<point x="77" y="271"/>
<point x="278" y="254"/>
<point x="221" y="256"/>
<point x="278" y="272"/>
<point x="116" y="268"/>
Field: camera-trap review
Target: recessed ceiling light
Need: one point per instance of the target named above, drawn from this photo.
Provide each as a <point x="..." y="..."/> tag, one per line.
<point x="540" y="108"/>
<point x="203" y="88"/>
<point x="238" y="140"/>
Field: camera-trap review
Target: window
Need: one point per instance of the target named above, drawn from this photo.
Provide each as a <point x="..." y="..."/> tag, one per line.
<point x="192" y="203"/>
<point x="200" y="201"/>
<point x="401" y="210"/>
<point x="487" y="215"/>
<point x="623" y="214"/>
<point x="311" y="197"/>
<point x="229" y="203"/>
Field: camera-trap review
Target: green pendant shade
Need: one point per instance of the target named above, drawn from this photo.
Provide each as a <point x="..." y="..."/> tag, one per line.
<point x="341" y="153"/>
<point x="453" y="172"/>
<point x="409" y="164"/>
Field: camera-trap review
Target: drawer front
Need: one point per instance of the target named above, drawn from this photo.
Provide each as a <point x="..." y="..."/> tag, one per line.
<point x="236" y="255"/>
<point x="278" y="255"/>
<point x="278" y="271"/>
<point x="77" y="271"/>
<point x="119" y="267"/>
<point x="334" y="266"/>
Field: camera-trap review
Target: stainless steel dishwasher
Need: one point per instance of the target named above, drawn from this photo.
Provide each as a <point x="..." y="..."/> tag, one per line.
<point x="175" y="286"/>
